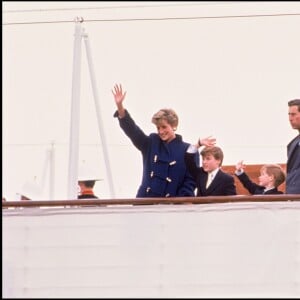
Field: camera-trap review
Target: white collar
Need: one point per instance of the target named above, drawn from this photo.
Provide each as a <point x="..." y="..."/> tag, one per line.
<point x="270" y="188"/>
<point x="213" y="173"/>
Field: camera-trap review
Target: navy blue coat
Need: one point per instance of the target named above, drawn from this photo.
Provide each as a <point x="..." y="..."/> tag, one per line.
<point x="293" y="167"/>
<point x="253" y="188"/>
<point x="222" y="184"/>
<point x="164" y="170"/>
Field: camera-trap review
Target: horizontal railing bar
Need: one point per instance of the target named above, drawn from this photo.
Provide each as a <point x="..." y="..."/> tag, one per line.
<point x="149" y="201"/>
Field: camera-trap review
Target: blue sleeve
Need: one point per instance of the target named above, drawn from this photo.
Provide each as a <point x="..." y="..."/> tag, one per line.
<point x="139" y="139"/>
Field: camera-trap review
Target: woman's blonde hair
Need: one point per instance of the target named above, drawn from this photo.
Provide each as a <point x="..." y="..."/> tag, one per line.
<point x="166" y="114"/>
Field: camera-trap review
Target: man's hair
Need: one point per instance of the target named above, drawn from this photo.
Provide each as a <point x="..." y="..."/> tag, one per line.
<point x="295" y="102"/>
<point x="166" y="114"/>
<point x="276" y="171"/>
<point x="215" y="151"/>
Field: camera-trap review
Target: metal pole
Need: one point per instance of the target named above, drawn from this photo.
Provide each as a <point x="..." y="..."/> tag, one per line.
<point x="42" y="182"/>
<point x="75" y="114"/>
<point x="51" y="171"/>
<point x="97" y="105"/>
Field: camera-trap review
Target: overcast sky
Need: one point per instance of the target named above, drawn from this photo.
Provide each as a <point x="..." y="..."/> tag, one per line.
<point x="227" y="68"/>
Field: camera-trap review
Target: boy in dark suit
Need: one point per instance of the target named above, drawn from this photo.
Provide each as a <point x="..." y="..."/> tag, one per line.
<point x="210" y="179"/>
<point x="271" y="176"/>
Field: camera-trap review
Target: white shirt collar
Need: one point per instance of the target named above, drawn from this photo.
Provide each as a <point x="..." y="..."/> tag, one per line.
<point x="267" y="189"/>
<point x="214" y="173"/>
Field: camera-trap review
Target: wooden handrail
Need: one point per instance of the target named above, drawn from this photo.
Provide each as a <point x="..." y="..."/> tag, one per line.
<point x="150" y="201"/>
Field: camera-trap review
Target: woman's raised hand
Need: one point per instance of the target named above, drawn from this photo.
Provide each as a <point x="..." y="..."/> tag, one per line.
<point x="118" y="94"/>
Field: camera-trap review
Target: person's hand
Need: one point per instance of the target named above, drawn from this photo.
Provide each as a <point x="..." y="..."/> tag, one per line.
<point x="240" y="166"/>
<point x="118" y="94"/>
<point x="208" y="142"/>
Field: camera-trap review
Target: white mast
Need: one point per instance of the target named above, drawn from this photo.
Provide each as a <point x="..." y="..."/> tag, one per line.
<point x="75" y="113"/>
<point x="97" y="105"/>
<point x="51" y="171"/>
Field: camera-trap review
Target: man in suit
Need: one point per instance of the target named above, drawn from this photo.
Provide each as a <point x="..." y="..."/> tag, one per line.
<point x="210" y="179"/>
<point x="293" y="150"/>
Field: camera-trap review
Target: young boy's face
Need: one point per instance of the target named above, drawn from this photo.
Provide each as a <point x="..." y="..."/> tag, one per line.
<point x="209" y="163"/>
<point x="265" y="179"/>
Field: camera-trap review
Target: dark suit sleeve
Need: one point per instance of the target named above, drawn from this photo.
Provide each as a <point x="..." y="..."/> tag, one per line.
<point x="190" y="161"/>
<point x="293" y="167"/>
<point x="247" y="183"/>
<point x="230" y="186"/>
<point x="189" y="185"/>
